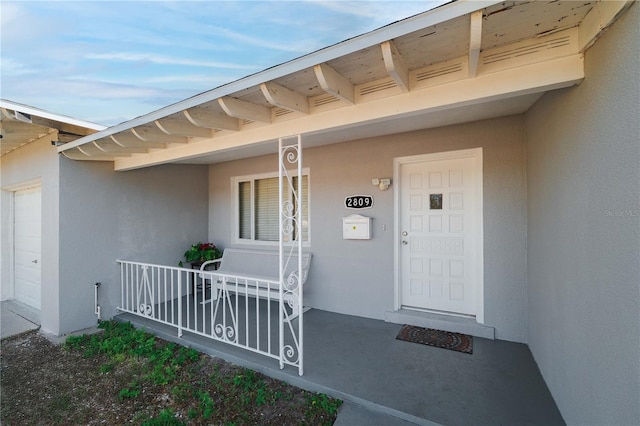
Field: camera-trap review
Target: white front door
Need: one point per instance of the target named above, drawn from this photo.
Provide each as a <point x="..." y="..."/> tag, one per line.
<point x="440" y="225"/>
<point x="27" y="246"/>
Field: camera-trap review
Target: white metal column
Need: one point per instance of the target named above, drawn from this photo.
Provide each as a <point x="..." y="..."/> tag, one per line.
<point x="290" y="245"/>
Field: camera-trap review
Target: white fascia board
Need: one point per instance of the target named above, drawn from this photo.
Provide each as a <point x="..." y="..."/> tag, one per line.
<point x="432" y="17"/>
<point x="26" y="109"/>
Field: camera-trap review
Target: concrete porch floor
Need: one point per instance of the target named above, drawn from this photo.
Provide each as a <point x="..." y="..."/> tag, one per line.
<point x="384" y="381"/>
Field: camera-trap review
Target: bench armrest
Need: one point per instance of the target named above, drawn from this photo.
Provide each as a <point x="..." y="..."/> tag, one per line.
<point x="209" y="262"/>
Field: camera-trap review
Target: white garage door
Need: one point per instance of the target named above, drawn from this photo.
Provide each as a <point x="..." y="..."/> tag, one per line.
<point x="27" y="246"/>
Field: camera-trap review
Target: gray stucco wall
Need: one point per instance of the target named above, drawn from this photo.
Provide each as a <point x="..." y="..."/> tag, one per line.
<point x="149" y="215"/>
<point x="583" y="161"/>
<point x="36" y="160"/>
<point x="357" y="277"/>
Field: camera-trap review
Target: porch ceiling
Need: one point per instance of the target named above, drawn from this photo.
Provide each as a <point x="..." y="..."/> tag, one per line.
<point x="464" y="61"/>
<point x="22" y="124"/>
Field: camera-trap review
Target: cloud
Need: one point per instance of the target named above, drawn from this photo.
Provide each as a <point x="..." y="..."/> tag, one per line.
<point x="93" y="100"/>
<point x="382" y="13"/>
<point x="19" y="24"/>
<point x="163" y="60"/>
<point x="10" y="66"/>
<point x="83" y="88"/>
<point x="194" y="78"/>
<point x="10" y="13"/>
<point x="298" y="47"/>
<point x="123" y="59"/>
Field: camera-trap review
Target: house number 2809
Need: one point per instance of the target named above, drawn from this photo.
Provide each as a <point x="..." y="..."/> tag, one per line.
<point x="358" y="202"/>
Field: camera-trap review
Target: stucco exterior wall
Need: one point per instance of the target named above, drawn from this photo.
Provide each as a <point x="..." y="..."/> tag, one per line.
<point x="583" y="175"/>
<point x="357" y="277"/>
<point x="36" y="160"/>
<point x="148" y="215"/>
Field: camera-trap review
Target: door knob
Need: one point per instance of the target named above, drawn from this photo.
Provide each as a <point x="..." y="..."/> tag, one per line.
<point x="404" y="233"/>
<point x="34" y="261"/>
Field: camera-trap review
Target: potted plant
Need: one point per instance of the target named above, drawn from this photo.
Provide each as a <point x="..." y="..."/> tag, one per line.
<point x="201" y="252"/>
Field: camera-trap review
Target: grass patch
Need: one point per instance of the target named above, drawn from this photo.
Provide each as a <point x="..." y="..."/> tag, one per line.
<point x="161" y="383"/>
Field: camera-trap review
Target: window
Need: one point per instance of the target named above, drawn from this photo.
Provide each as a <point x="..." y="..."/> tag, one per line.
<point x="256" y="212"/>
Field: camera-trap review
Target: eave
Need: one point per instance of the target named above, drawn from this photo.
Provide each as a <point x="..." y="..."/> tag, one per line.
<point x="448" y="60"/>
<point x="21" y="124"/>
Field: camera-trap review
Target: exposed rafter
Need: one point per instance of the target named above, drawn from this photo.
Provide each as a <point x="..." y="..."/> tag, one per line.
<point x="211" y="120"/>
<point x="175" y="126"/>
<point x="334" y="84"/>
<point x="282" y="97"/>
<point x="603" y="14"/>
<point x="24" y="129"/>
<point x="507" y="84"/>
<point x="110" y="145"/>
<point x="69" y="128"/>
<point x="106" y="149"/>
<point x="475" y="41"/>
<point x="245" y="110"/>
<point x="395" y="65"/>
<point x="21" y="124"/>
<point x="78" y="154"/>
<point x="148" y="133"/>
<point x="14" y="134"/>
<point x="129" y="140"/>
<point x="66" y="138"/>
<point x="95" y="150"/>
<point x="447" y="62"/>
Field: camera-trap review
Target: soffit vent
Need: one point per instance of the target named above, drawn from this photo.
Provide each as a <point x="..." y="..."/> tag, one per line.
<point x="377" y="87"/>
<point x="279" y="112"/>
<point x="438" y="72"/>
<point x="247" y="122"/>
<point x="530" y="49"/>
<point x="22" y="116"/>
<point x="324" y="100"/>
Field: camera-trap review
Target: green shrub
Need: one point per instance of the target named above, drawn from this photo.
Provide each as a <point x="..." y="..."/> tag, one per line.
<point x="165" y="418"/>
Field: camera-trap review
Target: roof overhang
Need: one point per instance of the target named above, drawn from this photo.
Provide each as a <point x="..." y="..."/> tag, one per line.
<point x="21" y="124"/>
<point x="463" y="61"/>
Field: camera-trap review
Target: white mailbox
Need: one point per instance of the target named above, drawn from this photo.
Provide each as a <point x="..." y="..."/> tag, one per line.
<point x="356" y="227"/>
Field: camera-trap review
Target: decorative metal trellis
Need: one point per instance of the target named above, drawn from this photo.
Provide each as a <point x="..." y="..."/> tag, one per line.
<point x="290" y="245"/>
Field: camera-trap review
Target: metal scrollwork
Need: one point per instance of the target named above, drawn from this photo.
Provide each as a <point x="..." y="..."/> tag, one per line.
<point x="291" y="354"/>
<point x="145" y="309"/>
<point x="291" y="301"/>
<point x="290" y="153"/>
<point x="289" y="219"/>
<point x="145" y="294"/>
<point x="227" y="333"/>
<point x="292" y="282"/>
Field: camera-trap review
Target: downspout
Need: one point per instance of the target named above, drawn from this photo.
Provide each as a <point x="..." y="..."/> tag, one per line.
<point x="97" y="307"/>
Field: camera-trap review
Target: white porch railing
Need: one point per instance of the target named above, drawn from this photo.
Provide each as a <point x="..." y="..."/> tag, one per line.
<point x="256" y="314"/>
<point x="221" y="307"/>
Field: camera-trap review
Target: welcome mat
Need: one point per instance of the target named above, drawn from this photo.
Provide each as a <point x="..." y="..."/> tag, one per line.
<point x="441" y="339"/>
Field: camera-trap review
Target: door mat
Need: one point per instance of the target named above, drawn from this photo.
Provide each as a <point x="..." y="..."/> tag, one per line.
<point x="441" y="339"/>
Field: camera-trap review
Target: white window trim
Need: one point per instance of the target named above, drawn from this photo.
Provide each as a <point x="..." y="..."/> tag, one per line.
<point x="235" y="209"/>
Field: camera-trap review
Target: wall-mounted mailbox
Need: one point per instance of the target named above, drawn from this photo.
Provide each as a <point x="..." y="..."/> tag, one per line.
<point x="356" y="227"/>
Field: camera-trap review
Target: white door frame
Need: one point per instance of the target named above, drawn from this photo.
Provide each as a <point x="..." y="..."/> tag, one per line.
<point x="476" y="154"/>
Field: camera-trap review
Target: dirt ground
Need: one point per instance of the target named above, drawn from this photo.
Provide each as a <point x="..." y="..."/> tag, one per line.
<point x="42" y="383"/>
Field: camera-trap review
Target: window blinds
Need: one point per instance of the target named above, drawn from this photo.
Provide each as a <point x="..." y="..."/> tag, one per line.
<point x="265" y="208"/>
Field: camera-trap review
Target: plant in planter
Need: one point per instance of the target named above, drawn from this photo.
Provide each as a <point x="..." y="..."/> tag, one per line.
<point x="201" y="252"/>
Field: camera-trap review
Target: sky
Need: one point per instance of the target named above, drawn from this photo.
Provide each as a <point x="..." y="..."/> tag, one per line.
<point x="109" y="62"/>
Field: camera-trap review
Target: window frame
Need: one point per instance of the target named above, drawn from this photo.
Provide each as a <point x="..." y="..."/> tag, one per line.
<point x="235" y="209"/>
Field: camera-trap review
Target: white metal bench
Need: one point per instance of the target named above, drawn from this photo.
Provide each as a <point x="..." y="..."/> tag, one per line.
<point x="256" y="273"/>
